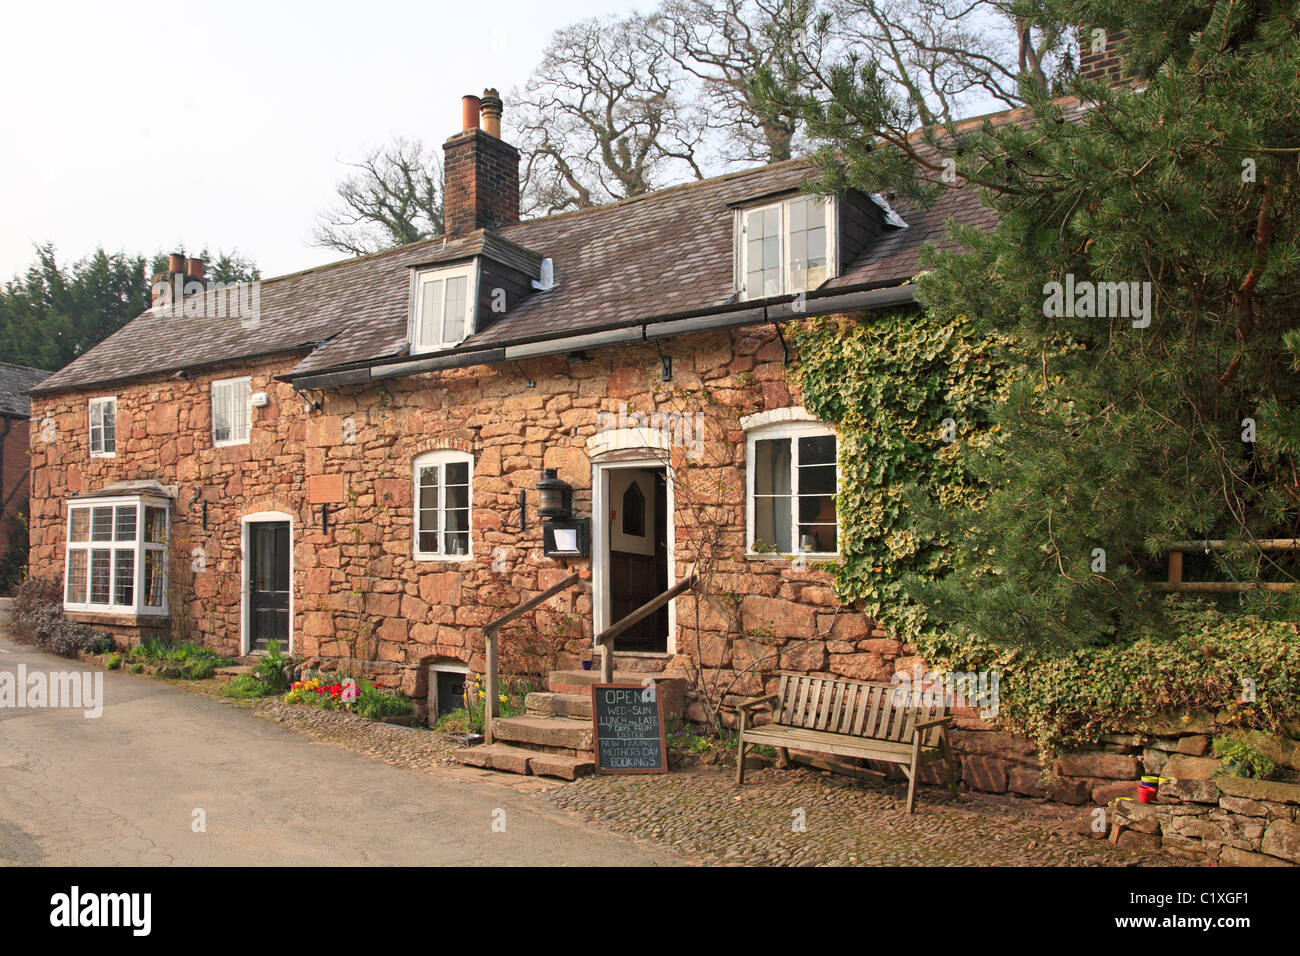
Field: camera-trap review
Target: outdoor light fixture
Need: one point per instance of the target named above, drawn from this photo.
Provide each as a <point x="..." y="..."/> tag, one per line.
<point x="566" y="537"/>
<point x="554" y="496"/>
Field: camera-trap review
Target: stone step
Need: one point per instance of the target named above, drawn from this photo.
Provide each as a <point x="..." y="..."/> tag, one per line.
<point x="671" y="690"/>
<point x="561" y="733"/>
<point x="547" y="703"/>
<point x="520" y="760"/>
<point x="233" y="671"/>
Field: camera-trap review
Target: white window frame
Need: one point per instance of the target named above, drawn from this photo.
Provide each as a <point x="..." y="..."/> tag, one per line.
<point x="792" y="430"/>
<point x="234" y="438"/>
<point x="741" y="265"/>
<point x="419" y="280"/>
<point x="138" y="546"/>
<point x="100" y="452"/>
<point x="441" y="459"/>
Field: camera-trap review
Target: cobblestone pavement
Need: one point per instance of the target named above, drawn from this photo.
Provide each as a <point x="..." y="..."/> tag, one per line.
<point x="702" y="813"/>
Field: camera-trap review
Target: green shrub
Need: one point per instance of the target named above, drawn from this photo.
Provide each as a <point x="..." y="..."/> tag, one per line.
<point x="1239" y="759"/>
<point x="271" y="669"/>
<point x="1201" y="659"/>
<point x="375" y="704"/>
<point x="137" y="668"/>
<point x="113" y="661"/>
<point x="199" y="668"/>
<point x="245" y="687"/>
<point x="453" y="722"/>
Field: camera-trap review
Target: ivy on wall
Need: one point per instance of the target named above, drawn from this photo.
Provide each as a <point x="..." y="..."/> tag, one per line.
<point x="908" y="395"/>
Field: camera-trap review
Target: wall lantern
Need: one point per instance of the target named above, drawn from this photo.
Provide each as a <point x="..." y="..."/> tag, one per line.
<point x="555" y="496"/>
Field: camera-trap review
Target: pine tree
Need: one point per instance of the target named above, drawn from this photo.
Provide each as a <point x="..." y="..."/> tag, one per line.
<point x="1124" y="430"/>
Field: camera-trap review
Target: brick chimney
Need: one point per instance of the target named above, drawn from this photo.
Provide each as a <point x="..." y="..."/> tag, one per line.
<point x="480" y="171"/>
<point x="1099" y="53"/>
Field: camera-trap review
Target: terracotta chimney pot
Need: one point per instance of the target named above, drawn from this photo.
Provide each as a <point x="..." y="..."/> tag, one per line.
<point x="490" y="108"/>
<point x="469" y="107"/>
<point x="175" y="262"/>
<point x="194" y="268"/>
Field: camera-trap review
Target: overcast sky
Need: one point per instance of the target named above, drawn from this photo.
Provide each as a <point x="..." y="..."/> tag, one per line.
<point x="141" y="126"/>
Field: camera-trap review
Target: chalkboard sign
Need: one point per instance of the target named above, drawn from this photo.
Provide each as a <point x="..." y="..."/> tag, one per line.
<point x="629" y="729"/>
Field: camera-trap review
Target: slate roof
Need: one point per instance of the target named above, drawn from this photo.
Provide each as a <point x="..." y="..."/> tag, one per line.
<point x="663" y="253"/>
<point x="15" y="380"/>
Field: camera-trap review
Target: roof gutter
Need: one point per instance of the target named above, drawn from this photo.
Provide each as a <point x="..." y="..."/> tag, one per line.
<point x="710" y="321"/>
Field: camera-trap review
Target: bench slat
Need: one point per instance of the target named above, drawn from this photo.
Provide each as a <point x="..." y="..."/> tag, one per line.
<point x="814" y="699"/>
<point x="845" y="723"/>
<point x="781" y="699"/>
<point x="801" y="698"/>
<point x="832" y="708"/>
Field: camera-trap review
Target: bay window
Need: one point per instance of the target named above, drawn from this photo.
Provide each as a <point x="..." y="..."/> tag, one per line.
<point x="116" y="554"/>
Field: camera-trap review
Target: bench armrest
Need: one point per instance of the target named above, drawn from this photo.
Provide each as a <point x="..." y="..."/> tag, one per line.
<point x="927" y="724"/>
<point x="756" y="702"/>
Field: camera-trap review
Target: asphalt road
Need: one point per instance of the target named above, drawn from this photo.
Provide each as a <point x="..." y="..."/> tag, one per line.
<point x="121" y="789"/>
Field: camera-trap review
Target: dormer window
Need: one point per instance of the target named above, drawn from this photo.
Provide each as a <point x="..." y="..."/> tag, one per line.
<point x="443" y="307"/>
<point x="785" y="247"/>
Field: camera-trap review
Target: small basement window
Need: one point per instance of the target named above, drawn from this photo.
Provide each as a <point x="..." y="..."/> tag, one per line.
<point x="446" y="689"/>
<point x="443" y="307"/>
<point x="116" y="555"/>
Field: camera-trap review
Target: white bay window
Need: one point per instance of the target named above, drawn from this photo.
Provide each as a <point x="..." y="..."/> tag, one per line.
<point x="117" y="555"/>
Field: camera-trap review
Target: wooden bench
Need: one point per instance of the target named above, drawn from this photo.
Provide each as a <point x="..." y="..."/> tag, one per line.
<point x="848" y="718"/>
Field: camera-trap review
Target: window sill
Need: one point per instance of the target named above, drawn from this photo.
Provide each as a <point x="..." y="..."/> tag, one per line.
<point x="103" y="454"/>
<point x="229" y="444"/>
<point x="820" y="558"/>
<point x="119" y="618"/>
<point x="444" y="558"/>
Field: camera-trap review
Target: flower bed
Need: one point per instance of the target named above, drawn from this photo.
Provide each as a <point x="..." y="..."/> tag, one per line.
<point x="357" y="695"/>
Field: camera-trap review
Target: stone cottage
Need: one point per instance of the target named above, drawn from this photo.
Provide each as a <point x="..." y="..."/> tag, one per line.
<point x="348" y="459"/>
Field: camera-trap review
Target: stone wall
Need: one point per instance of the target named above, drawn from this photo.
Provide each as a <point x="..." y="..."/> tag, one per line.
<point x="1227" y="820"/>
<point x="360" y="595"/>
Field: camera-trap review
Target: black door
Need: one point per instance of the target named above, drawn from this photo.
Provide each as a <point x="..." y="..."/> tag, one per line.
<point x="268" y="584"/>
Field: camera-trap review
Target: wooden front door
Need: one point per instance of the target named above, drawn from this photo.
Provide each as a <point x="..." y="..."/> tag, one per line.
<point x="638" y="554"/>
<point x="268" y="584"/>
